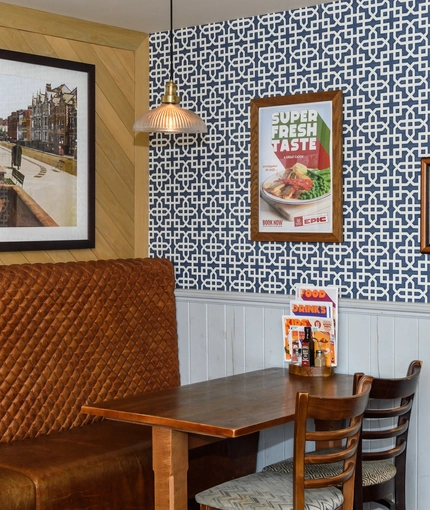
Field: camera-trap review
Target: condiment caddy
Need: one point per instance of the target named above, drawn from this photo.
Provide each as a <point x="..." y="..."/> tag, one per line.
<point x="309" y="331"/>
<point x="306" y="360"/>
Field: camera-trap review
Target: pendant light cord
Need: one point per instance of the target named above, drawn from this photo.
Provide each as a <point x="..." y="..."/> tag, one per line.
<point x="169" y="117"/>
<point x="171" y="40"/>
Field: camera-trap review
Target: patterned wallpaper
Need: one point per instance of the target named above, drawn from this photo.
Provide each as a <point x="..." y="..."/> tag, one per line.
<point x="377" y="53"/>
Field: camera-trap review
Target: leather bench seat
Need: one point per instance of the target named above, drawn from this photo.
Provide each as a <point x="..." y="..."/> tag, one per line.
<point x="80" y="468"/>
<point x="108" y="461"/>
<point x="75" y="333"/>
<point x="16" y="491"/>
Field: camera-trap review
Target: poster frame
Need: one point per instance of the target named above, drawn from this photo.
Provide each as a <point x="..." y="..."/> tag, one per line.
<point x="336" y="141"/>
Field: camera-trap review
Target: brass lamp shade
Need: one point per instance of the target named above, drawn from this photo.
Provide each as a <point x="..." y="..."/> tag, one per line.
<point x="169" y="117"/>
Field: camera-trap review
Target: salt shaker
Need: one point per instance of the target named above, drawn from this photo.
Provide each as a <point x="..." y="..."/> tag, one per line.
<point x="319" y="359"/>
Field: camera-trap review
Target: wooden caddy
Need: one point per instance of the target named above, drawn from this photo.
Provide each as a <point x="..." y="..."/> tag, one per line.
<point x="311" y="371"/>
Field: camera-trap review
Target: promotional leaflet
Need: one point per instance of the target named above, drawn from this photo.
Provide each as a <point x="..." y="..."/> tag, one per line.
<point x="324" y="295"/>
<point x="292" y="324"/>
<point x="317" y="307"/>
<point x="311" y="309"/>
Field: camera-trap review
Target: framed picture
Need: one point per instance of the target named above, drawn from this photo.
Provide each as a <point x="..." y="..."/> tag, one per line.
<point x="47" y="153"/>
<point x="425" y="206"/>
<point x="296" y="168"/>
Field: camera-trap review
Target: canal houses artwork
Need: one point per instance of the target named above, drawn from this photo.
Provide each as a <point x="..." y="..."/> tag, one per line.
<point x="47" y="156"/>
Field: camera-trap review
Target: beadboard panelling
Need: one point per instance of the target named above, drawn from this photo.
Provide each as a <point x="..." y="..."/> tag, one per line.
<point x="225" y="333"/>
<point x="121" y="88"/>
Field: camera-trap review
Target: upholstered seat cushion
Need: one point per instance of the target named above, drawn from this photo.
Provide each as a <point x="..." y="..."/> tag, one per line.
<point x="378" y="471"/>
<point x="267" y="489"/>
<point x="16" y="491"/>
<point x="374" y="471"/>
<point x="102" y="466"/>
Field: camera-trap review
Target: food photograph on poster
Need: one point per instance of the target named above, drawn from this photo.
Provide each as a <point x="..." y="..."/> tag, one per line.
<point x="296" y="168"/>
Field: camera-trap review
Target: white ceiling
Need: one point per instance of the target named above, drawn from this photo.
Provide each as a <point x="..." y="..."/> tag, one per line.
<point x="154" y="15"/>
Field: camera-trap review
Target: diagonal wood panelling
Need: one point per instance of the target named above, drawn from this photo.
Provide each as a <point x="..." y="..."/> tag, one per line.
<point x="114" y="53"/>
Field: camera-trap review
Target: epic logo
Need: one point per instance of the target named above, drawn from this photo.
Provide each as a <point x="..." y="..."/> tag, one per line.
<point x="320" y="218"/>
<point x="301" y="221"/>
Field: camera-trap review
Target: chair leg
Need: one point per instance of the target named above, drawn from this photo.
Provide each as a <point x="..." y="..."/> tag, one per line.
<point x="400" y="490"/>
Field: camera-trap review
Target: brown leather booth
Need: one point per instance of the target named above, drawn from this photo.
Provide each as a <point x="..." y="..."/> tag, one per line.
<point x="79" y="332"/>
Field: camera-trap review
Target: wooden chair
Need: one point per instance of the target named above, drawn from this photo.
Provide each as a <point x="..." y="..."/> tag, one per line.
<point x="384" y="443"/>
<point x="385" y="439"/>
<point x="293" y="491"/>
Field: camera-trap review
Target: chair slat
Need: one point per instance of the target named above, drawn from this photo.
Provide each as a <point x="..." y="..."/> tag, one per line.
<point x="276" y="490"/>
<point x="384" y="443"/>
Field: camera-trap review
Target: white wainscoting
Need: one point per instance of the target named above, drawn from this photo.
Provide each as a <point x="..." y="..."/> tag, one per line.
<point x="225" y="333"/>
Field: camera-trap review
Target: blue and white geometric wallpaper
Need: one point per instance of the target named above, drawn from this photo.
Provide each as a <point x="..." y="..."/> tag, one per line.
<point x="377" y="53"/>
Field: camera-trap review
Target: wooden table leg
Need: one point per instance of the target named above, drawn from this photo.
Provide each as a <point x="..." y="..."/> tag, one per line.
<point x="170" y="464"/>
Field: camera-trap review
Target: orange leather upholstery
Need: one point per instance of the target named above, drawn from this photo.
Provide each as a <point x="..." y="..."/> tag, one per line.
<point x="72" y="333"/>
<point x="16" y="491"/>
<point x="106" y="465"/>
<point x="79" y="332"/>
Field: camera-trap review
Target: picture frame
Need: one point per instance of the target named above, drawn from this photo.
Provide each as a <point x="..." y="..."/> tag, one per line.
<point x="47" y="153"/>
<point x="425" y="206"/>
<point x="296" y="151"/>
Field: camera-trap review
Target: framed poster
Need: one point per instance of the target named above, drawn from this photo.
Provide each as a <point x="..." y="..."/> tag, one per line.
<point x="47" y="153"/>
<point x="296" y="168"/>
<point x="425" y="206"/>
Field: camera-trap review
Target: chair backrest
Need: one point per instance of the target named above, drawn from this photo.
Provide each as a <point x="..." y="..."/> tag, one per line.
<point x="386" y="421"/>
<point x="347" y="413"/>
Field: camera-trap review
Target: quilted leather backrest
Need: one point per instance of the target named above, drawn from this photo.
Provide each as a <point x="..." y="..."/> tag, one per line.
<point x="79" y="332"/>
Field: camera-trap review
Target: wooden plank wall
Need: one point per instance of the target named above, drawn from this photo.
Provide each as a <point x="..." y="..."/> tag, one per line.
<point x="122" y="76"/>
<point x="225" y="333"/>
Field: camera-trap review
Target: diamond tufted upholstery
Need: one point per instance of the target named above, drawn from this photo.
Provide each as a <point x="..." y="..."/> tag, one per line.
<point x="82" y="332"/>
<point x="72" y="333"/>
<point x="78" y="332"/>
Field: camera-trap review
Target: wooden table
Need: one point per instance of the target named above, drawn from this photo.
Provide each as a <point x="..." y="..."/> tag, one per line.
<point x="227" y="407"/>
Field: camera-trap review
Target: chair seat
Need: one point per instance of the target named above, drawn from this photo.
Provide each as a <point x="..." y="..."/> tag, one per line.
<point x="268" y="489"/>
<point x="291" y="491"/>
<point x="374" y="471"/>
<point x="377" y="471"/>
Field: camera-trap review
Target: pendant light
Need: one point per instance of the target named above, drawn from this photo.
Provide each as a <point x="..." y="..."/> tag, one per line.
<point x="169" y="117"/>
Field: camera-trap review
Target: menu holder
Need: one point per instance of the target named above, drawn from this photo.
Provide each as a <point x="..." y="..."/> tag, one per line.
<point x="311" y="371"/>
